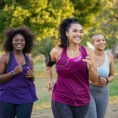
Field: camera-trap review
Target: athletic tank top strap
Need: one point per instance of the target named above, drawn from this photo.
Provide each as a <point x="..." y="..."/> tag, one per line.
<point x="27" y="60"/>
<point x="64" y="52"/>
<point x="83" y="51"/>
<point x="9" y="61"/>
<point x="106" y="62"/>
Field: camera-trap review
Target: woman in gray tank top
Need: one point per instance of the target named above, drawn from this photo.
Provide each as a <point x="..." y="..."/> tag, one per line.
<point x="99" y="92"/>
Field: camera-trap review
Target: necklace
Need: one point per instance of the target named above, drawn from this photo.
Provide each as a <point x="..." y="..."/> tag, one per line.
<point x="72" y="52"/>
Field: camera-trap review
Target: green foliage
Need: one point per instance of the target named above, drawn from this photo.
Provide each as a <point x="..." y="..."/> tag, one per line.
<point x="108" y="24"/>
<point x="44" y="16"/>
<point x="41" y="16"/>
<point x="87" y="10"/>
<point x="43" y="46"/>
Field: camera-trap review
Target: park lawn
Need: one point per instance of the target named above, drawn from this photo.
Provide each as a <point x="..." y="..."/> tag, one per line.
<point x="113" y="87"/>
<point x="45" y="96"/>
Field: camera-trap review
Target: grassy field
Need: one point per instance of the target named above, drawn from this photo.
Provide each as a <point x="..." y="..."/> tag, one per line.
<point x="113" y="87"/>
<point x="41" y="81"/>
<point x="42" y="108"/>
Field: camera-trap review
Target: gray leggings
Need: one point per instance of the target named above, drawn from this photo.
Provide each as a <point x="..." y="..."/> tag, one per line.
<point x="99" y="101"/>
<point x="61" y="110"/>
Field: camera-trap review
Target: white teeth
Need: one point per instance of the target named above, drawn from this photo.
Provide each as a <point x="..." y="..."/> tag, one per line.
<point x="77" y="39"/>
<point x="102" y="46"/>
<point x="19" y="46"/>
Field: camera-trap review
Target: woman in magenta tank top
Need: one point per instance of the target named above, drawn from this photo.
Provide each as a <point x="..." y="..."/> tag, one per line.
<point x="74" y="65"/>
<point x="17" y="90"/>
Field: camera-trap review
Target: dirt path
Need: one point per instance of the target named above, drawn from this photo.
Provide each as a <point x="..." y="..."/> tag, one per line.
<point x="112" y="112"/>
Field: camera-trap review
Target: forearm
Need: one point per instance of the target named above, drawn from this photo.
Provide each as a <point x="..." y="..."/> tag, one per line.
<point x="93" y="74"/>
<point x="5" y="77"/>
<point x="111" y="78"/>
<point x="49" y="72"/>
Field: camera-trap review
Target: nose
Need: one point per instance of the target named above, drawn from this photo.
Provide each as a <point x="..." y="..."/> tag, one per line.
<point x="20" y="41"/>
<point x="101" y="41"/>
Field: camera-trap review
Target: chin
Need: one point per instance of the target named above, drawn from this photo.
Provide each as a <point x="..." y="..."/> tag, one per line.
<point x="102" y="49"/>
<point x="19" y="50"/>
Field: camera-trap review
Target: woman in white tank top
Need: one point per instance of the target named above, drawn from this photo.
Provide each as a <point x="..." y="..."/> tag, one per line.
<point x="99" y="91"/>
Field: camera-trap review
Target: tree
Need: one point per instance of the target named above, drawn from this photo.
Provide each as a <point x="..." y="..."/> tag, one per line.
<point x="87" y="10"/>
<point x="43" y="46"/>
<point x="107" y="25"/>
<point x="42" y="16"/>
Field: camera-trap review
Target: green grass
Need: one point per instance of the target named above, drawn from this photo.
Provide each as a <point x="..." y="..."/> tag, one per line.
<point x="113" y="87"/>
<point x="44" y="95"/>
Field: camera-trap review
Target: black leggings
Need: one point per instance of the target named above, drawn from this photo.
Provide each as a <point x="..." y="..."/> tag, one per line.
<point x="9" y="110"/>
<point x="61" y="110"/>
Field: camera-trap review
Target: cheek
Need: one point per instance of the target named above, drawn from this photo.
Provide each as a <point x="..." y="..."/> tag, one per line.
<point x="24" y="43"/>
<point x="95" y="44"/>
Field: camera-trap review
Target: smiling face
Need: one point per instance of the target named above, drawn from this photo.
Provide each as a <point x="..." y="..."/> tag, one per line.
<point x="75" y="33"/>
<point x="99" y="42"/>
<point x="18" y="42"/>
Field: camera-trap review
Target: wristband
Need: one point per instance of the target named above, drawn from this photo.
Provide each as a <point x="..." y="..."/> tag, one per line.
<point x="107" y="81"/>
<point x="13" y="73"/>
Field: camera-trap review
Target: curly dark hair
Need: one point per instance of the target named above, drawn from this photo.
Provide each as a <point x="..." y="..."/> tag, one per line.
<point x="64" y="26"/>
<point x="10" y="33"/>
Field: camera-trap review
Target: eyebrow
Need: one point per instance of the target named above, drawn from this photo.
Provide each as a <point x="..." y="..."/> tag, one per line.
<point x="78" y="30"/>
<point x="100" y="39"/>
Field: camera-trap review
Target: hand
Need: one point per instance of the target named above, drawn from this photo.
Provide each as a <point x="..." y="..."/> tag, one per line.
<point x="49" y="85"/>
<point x="89" y="61"/>
<point x="18" y="69"/>
<point x="102" y="81"/>
<point x="29" y="73"/>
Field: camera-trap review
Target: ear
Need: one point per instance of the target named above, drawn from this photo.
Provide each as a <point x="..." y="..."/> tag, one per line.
<point x="92" y="42"/>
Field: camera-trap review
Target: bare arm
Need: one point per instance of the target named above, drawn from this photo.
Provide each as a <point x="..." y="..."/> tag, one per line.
<point x="54" y="54"/>
<point x="111" y="75"/>
<point x="7" y="76"/>
<point x="92" y="66"/>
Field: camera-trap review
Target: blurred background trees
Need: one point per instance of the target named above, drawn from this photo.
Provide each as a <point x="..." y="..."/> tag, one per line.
<point x="44" y="17"/>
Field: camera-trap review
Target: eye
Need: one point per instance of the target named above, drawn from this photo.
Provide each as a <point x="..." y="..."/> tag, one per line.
<point x="81" y="31"/>
<point x="16" y="40"/>
<point x="22" y="40"/>
<point x="98" y="40"/>
<point x="74" y="30"/>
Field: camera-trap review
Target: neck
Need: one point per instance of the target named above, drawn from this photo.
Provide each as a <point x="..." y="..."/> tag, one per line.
<point x="74" y="50"/>
<point x="18" y="52"/>
<point x="73" y="47"/>
<point x="99" y="52"/>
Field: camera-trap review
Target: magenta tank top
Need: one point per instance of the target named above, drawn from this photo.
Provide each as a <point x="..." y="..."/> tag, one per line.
<point x="72" y="85"/>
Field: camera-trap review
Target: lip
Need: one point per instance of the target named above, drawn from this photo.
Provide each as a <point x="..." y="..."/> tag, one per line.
<point x="77" y="39"/>
<point x="19" y="46"/>
<point x="102" y="46"/>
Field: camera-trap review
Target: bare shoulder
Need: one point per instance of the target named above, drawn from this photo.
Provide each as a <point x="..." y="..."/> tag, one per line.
<point x="4" y="58"/>
<point x="55" y="53"/>
<point x="31" y="60"/>
<point x="110" y="56"/>
<point x="56" y="50"/>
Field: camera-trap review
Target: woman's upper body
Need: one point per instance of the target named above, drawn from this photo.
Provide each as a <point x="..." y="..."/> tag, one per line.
<point x="73" y="76"/>
<point x="16" y="70"/>
<point x="104" y="60"/>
